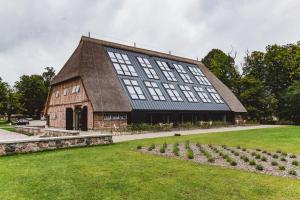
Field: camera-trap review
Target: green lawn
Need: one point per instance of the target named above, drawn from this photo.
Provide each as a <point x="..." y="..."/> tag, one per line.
<point x="5" y="126"/>
<point x="120" y="172"/>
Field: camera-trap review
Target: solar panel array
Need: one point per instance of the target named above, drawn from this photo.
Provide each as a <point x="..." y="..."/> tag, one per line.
<point x="154" y="83"/>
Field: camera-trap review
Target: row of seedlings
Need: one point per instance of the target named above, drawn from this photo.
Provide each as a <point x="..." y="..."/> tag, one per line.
<point x="208" y="156"/>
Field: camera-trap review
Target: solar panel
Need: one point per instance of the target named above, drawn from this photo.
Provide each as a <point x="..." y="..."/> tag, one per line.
<point x="215" y="95"/>
<point x="134" y="90"/>
<point x="148" y="69"/>
<point x="154" y="91"/>
<point x="188" y="93"/>
<point x="174" y="95"/>
<point x="202" y="94"/>
<point x="166" y="70"/>
<point x="122" y="64"/>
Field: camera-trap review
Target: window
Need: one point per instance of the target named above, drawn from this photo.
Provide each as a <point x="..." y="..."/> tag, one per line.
<point x="66" y="92"/>
<point x="199" y="76"/>
<point x="109" y="117"/>
<point x="174" y="95"/>
<point x="134" y="89"/>
<point x="188" y="93"/>
<point x="75" y="89"/>
<point x="183" y="74"/>
<point x="148" y="69"/>
<point x="202" y="94"/>
<point x="215" y="95"/>
<point x="154" y="91"/>
<point x="122" y="64"/>
<point x="57" y="94"/>
<point x="166" y="70"/>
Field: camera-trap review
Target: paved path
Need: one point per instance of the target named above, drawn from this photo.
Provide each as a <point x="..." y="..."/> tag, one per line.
<point x="121" y="138"/>
<point x="8" y="135"/>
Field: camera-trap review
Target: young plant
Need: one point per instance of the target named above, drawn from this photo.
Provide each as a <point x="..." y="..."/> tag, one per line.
<point x="257" y="156"/>
<point x="151" y="147"/>
<point x="293" y="156"/>
<point x="293" y="172"/>
<point x="165" y="145"/>
<point x="283" y="159"/>
<point x="258" y="149"/>
<point x="211" y="160"/>
<point x="259" y="167"/>
<point x="278" y="151"/>
<point x="233" y="163"/>
<point x="253" y="154"/>
<point x="190" y="154"/>
<point x="264" y="158"/>
<point x="187" y="144"/>
<point x="243" y="149"/>
<point x="238" y="147"/>
<point x="281" y="167"/>
<point x="274" y="163"/>
<point x="295" y="162"/>
<point x="236" y="154"/>
<point x="275" y="156"/>
<point x="246" y="159"/>
<point x="252" y="162"/>
<point x="162" y="149"/>
<point x="139" y="147"/>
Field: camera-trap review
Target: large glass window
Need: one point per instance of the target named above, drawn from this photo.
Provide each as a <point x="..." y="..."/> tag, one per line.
<point x="134" y="89"/>
<point x="154" y="91"/>
<point x="172" y="92"/>
<point x="202" y="94"/>
<point x="188" y="93"/>
<point x="199" y="76"/>
<point x="122" y="64"/>
<point x="215" y="95"/>
<point x="148" y="69"/>
<point x="166" y="70"/>
<point x="183" y="74"/>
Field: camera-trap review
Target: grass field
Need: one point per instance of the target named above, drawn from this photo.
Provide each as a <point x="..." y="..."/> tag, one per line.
<point x="5" y="126"/>
<point x="120" y="172"/>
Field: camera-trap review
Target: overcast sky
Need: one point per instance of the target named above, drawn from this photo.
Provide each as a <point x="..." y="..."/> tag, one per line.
<point x="40" y="33"/>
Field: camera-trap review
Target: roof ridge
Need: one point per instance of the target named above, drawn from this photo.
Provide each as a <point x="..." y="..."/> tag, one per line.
<point x="140" y="50"/>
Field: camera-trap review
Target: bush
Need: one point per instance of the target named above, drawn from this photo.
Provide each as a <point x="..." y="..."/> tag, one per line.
<point x="278" y="151"/>
<point x="258" y="149"/>
<point x="257" y="156"/>
<point x="293" y="156"/>
<point x="238" y="147"/>
<point x="275" y="156"/>
<point x="211" y="160"/>
<point x="162" y="150"/>
<point x="252" y="162"/>
<point x="139" y="147"/>
<point x="187" y="144"/>
<point x="176" y="150"/>
<point x="253" y="154"/>
<point x="243" y="149"/>
<point x="283" y="159"/>
<point x="236" y="154"/>
<point x="293" y="172"/>
<point x="295" y="162"/>
<point x="187" y="125"/>
<point x="281" y="167"/>
<point x="264" y="151"/>
<point x="233" y="163"/>
<point x="284" y="154"/>
<point x="259" y="167"/>
<point x="177" y="134"/>
<point x="225" y="156"/>
<point x="264" y="158"/>
<point x="151" y="147"/>
<point x="190" y="154"/>
<point x="246" y="159"/>
<point x="269" y="153"/>
<point x="165" y="145"/>
<point x="224" y="146"/>
<point x="274" y="163"/>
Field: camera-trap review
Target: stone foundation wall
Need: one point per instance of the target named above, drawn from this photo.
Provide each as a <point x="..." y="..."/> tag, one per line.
<point x="58" y="133"/>
<point x="42" y="144"/>
<point x="27" y="130"/>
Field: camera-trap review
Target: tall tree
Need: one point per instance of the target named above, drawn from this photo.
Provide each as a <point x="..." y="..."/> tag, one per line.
<point x="33" y="93"/>
<point x="223" y="66"/>
<point x="48" y="75"/>
<point x="3" y="96"/>
<point x="291" y="110"/>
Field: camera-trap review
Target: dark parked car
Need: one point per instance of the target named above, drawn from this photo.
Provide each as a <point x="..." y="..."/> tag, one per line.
<point x="21" y="122"/>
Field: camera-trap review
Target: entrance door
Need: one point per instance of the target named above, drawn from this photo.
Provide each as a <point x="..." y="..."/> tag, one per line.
<point x="77" y="118"/>
<point x="69" y="119"/>
<point x="84" y="119"/>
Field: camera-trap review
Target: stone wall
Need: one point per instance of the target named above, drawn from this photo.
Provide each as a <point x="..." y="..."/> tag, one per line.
<point x="58" y="133"/>
<point x="27" y="130"/>
<point x="100" y="122"/>
<point x="42" y="144"/>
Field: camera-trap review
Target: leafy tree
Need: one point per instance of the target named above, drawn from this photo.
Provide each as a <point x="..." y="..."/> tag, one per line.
<point x="48" y="75"/>
<point x="291" y="108"/>
<point x="33" y="93"/>
<point x="14" y="105"/>
<point x="223" y="66"/>
<point x="254" y="97"/>
<point x="3" y="96"/>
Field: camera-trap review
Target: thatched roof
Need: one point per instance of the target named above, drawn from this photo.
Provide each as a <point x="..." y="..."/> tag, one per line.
<point x="91" y="63"/>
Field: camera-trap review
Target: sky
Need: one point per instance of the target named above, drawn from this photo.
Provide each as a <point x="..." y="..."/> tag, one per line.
<point x="44" y="33"/>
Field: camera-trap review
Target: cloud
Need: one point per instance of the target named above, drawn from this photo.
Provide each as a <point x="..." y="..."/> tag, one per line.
<point x="36" y="34"/>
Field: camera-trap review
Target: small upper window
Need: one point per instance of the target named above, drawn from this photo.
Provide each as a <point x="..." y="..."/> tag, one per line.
<point x="134" y="89"/>
<point x="174" y="95"/>
<point x="122" y="64"/>
<point x="188" y="93"/>
<point x="148" y="69"/>
<point x="215" y="95"/>
<point x="57" y="94"/>
<point x="75" y="89"/>
<point x="66" y="91"/>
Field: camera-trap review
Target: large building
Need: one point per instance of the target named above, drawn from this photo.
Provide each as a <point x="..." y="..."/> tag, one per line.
<point x="109" y="85"/>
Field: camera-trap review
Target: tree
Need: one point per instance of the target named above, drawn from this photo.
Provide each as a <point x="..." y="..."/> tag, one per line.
<point x="254" y="97"/>
<point x="48" y="75"/>
<point x="3" y="96"/>
<point x="292" y="103"/>
<point x="223" y="66"/>
<point x="14" y="105"/>
<point x="33" y="93"/>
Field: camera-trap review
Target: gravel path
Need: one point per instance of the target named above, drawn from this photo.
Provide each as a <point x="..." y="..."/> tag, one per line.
<point x="121" y="138"/>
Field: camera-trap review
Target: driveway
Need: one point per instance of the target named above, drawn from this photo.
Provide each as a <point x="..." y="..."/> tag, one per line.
<point x="121" y="138"/>
<point x="7" y="135"/>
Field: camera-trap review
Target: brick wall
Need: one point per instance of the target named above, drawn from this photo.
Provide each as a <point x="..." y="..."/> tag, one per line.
<point x="62" y="97"/>
<point x="102" y="122"/>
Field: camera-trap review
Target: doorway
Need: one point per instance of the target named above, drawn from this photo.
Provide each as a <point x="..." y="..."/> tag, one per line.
<point x="69" y="119"/>
<point x="84" y="119"/>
